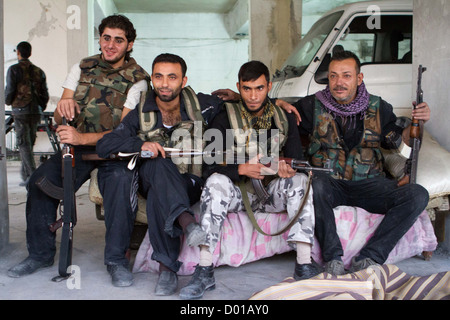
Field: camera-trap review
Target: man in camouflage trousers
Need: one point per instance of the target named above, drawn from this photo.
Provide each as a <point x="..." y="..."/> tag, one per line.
<point x="224" y="188"/>
<point x="26" y="91"/>
<point x="96" y="92"/>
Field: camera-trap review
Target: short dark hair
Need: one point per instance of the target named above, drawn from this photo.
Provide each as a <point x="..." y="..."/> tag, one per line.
<point x="24" y="48"/>
<point x="171" y="58"/>
<point x="118" y="21"/>
<point x="344" y="55"/>
<point x="252" y="70"/>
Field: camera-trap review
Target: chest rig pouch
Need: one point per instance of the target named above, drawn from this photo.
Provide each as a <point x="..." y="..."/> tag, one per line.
<point x="185" y="136"/>
<point x="363" y="161"/>
<point x="248" y="144"/>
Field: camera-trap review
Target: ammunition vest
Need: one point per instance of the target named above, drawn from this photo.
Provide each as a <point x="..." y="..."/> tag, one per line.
<point x="187" y="135"/>
<point x="326" y="147"/>
<point x="246" y="141"/>
<point x="102" y="92"/>
<point x="29" y="87"/>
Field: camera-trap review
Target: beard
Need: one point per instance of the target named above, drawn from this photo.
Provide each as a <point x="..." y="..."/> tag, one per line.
<point x="174" y="93"/>
<point x="114" y="60"/>
<point x="343" y="99"/>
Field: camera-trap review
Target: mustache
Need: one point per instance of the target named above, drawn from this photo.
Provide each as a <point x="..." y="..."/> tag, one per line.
<point x="339" y="88"/>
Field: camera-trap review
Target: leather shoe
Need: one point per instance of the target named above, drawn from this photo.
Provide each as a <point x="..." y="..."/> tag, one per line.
<point x="28" y="266"/>
<point x="120" y="275"/>
<point x="167" y="283"/>
<point x="201" y="281"/>
<point x="305" y="271"/>
<point x="335" y="267"/>
<point x="361" y="264"/>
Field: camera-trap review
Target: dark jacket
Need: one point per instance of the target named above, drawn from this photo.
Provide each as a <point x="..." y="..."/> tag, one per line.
<point x="125" y="137"/>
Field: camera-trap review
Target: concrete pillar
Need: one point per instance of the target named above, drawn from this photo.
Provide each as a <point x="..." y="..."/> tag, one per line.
<point x="79" y="34"/>
<point x="275" y="30"/>
<point x="4" y="210"/>
<point x="431" y="43"/>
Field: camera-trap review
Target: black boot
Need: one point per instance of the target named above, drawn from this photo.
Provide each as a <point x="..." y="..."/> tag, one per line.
<point x="167" y="283"/>
<point x="120" y="275"/>
<point x="202" y="280"/>
<point x="28" y="266"/>
<point x="305" y="271"/>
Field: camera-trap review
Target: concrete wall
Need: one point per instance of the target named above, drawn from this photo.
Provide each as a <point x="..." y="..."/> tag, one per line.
<point x="432" y="50"/>
<point x="212" y="56"/>
<point x="275" y="30"/>
<point x="57" y="31"/>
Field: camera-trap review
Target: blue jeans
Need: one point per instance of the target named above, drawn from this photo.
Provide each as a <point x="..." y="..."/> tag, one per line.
<point x="400" y="205"/>
<point x="115" y="184"/>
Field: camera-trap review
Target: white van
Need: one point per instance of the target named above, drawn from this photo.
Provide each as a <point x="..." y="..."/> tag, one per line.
<point x="378" y="32"/>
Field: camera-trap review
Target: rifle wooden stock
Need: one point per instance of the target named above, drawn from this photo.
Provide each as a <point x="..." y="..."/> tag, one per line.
<point x="415" y="135"/>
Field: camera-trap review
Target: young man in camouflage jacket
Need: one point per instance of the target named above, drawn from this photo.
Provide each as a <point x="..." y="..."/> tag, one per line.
<point x="104" y="85"/>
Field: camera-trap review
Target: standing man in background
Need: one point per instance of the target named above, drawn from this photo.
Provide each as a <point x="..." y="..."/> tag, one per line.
<point x="26" y="92"/>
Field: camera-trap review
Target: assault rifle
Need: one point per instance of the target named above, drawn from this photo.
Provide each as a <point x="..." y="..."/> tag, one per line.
<point x="67" y="208"/>
<point x="416" y="133"/>
<point x="296" y="164"/>
<point x="231" y="158"/>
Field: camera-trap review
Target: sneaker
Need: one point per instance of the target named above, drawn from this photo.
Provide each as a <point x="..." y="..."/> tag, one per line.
<point x="201" y="281"/>
<point x="361" y="264"/>
<point x="167" y="283"/>
<point x="28" y="266"/>
<point x="335" y="267"/>
<point x="305" y="271"/>
<point x="120" y="275"/>
<point x="195" y="235"/>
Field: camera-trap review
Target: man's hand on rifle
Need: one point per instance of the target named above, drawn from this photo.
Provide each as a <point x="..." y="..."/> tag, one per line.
<point x="422" y="112"/>
<point x="69" y="135"/>
<point x="285" y="170"/>
<point x="254" y="169"/>
<point x="154" y="147"/>
<point x="68" y="108"/>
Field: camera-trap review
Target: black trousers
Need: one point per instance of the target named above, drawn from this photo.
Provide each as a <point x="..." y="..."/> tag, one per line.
<point x="116" y="185"/>
<point x="400" y="205"/>
<point x="168" y="194"/>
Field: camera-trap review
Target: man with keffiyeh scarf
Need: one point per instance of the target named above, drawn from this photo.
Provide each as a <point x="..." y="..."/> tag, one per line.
<point x="347" y="127"/>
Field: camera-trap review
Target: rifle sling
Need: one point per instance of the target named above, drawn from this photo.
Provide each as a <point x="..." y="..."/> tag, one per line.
<point x="251" y="215"/>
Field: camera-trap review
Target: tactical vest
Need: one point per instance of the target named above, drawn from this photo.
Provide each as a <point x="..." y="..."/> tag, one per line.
<point x="245" y="137"/>
<point x="187" y="135"/>
<point x="246" y="141"/>
<point x="326" y="147"/>
<point x="28" y="87"/>
<point x="102" y="92"/>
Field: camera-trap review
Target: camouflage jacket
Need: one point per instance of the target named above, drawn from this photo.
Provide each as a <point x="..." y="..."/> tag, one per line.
<point x="363" y="161"/>
<point x="26" y="88"/>
<point x="102" y="92"/>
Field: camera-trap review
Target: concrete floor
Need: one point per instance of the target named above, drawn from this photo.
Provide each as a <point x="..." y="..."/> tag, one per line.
<point x="95" y="283"/>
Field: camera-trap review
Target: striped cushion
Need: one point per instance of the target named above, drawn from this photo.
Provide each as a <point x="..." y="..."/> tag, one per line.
<point x="385" y="282"/>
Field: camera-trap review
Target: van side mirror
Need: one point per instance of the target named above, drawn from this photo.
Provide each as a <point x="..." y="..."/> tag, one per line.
<point x="321" y="75"/>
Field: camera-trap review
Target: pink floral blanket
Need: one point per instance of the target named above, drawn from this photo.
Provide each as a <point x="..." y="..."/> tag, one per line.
<point x="241" y="244"/>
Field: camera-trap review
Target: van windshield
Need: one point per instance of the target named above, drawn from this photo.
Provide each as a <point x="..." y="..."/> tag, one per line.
<point x="306" y="50"/>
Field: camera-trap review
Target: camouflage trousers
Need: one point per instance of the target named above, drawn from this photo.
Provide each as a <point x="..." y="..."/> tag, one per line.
<point x="220" y="196"/>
